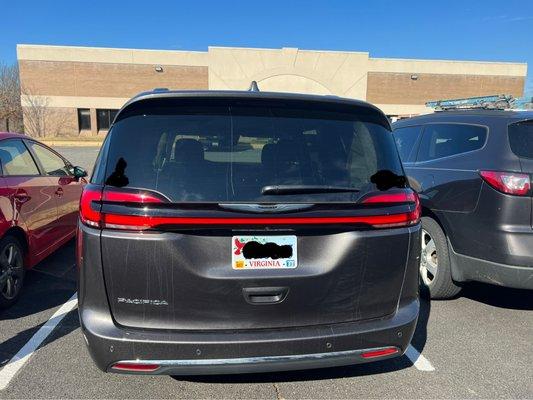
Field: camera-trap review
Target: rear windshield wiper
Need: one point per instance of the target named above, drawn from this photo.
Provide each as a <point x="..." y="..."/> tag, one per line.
<point x="304" y="189"/>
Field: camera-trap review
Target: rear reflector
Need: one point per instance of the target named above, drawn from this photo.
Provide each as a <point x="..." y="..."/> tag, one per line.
<point x="93" y="196"/>
<point x="387" y="351"/>
<point x="507" y="182"/>
<point x="135" y="367"/>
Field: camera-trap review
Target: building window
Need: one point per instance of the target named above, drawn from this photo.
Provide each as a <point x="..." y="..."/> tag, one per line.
<point x="104" y="118"/>
<point x="84" y="119"/>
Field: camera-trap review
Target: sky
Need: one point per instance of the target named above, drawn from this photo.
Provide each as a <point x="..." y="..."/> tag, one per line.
<point x="463" y="30"/>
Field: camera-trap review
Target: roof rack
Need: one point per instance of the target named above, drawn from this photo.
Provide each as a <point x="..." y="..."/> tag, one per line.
<point x="493" y="102"/>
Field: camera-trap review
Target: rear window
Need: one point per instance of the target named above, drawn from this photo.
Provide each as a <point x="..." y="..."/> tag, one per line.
<point x="229" y="152"/>
<point x="521" y="138"/>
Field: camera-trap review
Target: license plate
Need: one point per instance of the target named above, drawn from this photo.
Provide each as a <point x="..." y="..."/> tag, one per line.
<point x="263" y="252"/>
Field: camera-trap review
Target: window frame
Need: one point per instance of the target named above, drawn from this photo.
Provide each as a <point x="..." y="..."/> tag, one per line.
<point x="42" y="171"/>
<point x="110" y="120"/>
<point x="37" y="165"/>
<point x="487" y="133"/>
<point x="413" y="155"/>
<point x="80" y="129"/>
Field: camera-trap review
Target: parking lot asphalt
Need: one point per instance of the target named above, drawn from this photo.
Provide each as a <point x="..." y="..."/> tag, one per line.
<point x="479" y="345"/>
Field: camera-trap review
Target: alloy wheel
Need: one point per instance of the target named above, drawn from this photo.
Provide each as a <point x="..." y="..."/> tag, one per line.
<point x="428" y="259"/>
<point x="11" y="271"/>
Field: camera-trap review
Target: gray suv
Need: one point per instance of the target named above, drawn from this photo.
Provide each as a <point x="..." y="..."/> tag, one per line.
<point x="472" y="169"/>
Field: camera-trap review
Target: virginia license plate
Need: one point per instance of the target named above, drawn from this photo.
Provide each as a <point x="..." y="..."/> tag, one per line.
<point x="263" y="252"/>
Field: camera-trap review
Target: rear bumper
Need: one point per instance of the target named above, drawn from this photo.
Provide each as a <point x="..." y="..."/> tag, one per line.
<point x="188" y="353"/>
<point x="467" y="268"/>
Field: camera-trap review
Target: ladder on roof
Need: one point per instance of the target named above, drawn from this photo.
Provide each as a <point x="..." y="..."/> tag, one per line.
<point x="493" y="102"/>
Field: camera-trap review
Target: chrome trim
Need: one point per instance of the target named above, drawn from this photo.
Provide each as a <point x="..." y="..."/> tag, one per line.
<point x="265" y="208"/>
<point x="261" y="360"/>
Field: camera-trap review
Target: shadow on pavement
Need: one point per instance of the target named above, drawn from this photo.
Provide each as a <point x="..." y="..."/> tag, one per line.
<point x="379" y="367"/>
<point x="48" y="285"/>
<point x="10" y="347"/>
<point x="497" y="296"/>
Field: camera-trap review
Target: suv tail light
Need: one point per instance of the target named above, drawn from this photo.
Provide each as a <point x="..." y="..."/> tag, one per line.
<point x="508" y="182"/>
<point x="94" y="196"/>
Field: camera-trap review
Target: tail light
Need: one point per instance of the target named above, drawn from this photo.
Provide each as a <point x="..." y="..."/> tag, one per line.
<point x="412" y="217"/>
<point x="94" y="196"/>
<point x="508" y="182"/>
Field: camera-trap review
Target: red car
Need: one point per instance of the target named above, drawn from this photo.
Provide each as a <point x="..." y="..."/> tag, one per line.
<point x="39" y="195"/>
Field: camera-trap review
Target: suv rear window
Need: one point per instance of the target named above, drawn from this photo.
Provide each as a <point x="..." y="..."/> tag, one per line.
<point x="521" y="138"/>
<point x="229" y="152"/>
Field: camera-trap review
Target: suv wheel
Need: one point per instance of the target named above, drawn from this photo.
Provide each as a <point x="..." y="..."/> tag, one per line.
<point x="11" y="271"/>
<point x="435" y="270"/>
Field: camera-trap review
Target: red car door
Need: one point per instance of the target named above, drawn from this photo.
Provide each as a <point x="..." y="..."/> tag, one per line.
<point x="67" y="187"/>
<point x="32" y="196"/>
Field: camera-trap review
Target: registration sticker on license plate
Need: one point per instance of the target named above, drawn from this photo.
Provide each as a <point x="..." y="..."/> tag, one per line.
<point x="260" y="252"/>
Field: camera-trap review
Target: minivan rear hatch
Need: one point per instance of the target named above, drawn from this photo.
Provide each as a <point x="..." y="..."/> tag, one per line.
<point x="246" y="213"/>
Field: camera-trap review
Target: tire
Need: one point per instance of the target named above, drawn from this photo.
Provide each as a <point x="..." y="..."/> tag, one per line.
<point x="11" y="271"/>
<point x="435" y="269"/>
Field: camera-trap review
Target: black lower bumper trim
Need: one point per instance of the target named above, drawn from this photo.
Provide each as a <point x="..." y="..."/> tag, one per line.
<point x="211" y="352"/>
<point x="255" y="364"/>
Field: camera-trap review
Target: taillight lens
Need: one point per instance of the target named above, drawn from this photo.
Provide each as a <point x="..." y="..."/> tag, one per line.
<point x="508" y="182"/>
<point x="90" y="205"/>
<point x="93" y="196"/>
<point x="413" y="217"/>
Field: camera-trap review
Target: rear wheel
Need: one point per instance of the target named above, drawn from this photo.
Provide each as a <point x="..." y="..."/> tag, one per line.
<point x="435" y="270"/>
<point x="11" y="271"/>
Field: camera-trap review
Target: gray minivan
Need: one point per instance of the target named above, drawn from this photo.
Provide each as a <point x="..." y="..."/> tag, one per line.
<point x="227" y="232"/>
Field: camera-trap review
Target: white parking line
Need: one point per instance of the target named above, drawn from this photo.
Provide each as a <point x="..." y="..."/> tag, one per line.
<point x="419" y="361"/>
<point x="18" y="360"/>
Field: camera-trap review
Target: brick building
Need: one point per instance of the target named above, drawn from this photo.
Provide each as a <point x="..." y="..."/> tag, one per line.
<point x="82" y="87"/>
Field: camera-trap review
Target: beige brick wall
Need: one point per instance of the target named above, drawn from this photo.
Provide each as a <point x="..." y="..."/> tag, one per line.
<point x="399" y="88"/>
<point x="54" y="78"/>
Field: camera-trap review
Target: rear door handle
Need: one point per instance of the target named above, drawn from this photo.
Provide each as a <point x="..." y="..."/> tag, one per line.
<point x="22" y="196"/>
<point x="265" y="295"/>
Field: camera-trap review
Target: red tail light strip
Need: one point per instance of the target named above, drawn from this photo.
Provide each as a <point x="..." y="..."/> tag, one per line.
<point x="147" y="222"/>
<point x="91" y="215"/>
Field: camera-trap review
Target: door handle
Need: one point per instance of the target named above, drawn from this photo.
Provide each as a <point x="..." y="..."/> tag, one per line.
<point x="22" y="197"/>
<point x="59" y="192"/>
<point x="265" y="295"/>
